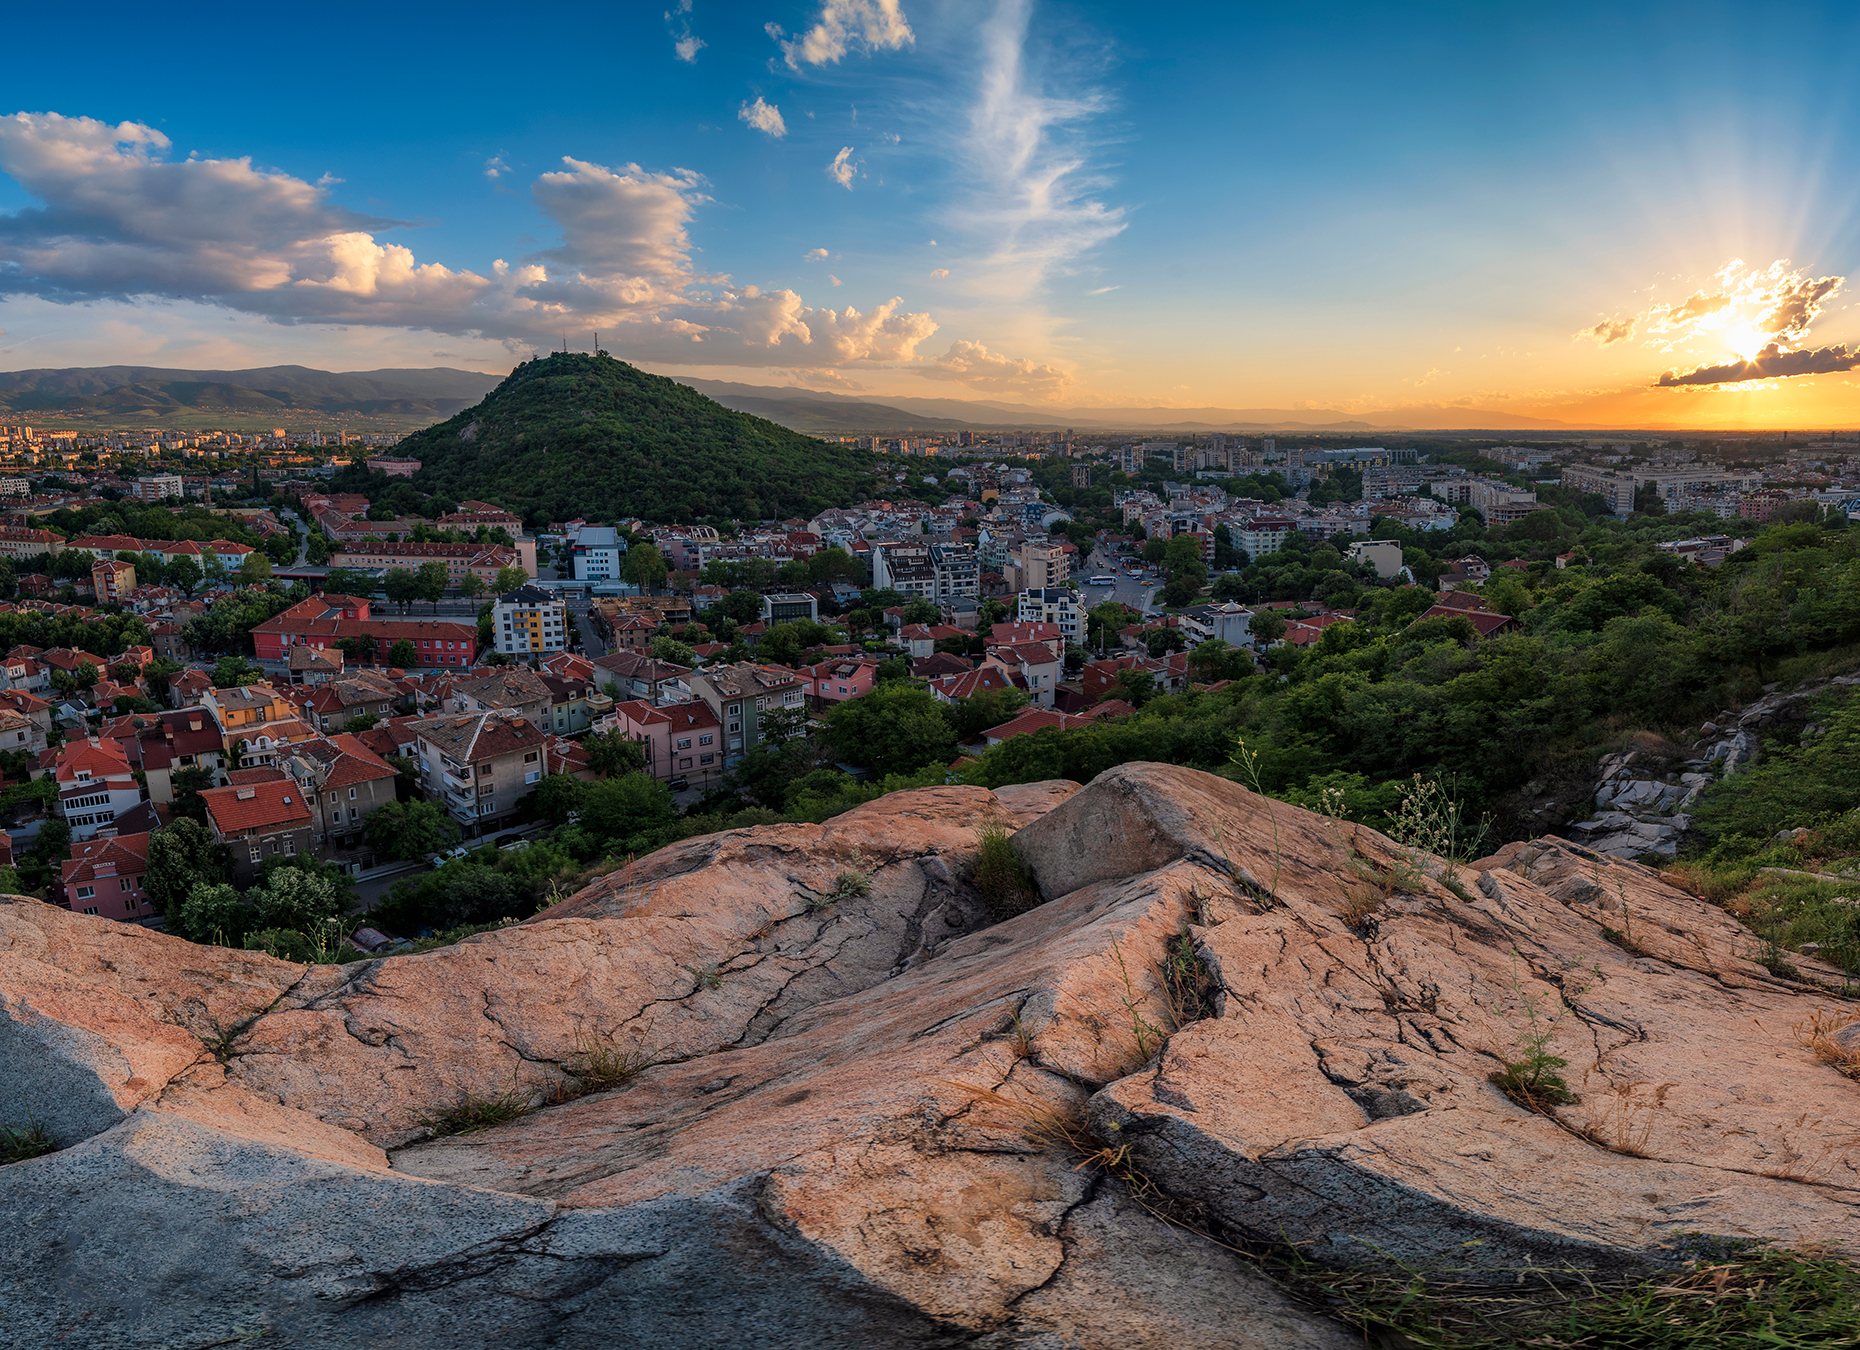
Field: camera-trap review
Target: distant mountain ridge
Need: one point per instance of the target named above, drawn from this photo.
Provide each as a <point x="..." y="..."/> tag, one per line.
<point x="122" y="393"/>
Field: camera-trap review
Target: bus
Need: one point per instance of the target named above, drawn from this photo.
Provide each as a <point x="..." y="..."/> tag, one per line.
<point x="1103" y="581"/>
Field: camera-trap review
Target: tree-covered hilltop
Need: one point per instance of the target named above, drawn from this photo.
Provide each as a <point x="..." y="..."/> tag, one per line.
<point x="574" y="435"/>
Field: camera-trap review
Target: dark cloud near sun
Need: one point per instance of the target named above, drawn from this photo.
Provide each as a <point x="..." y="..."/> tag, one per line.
<point x="1770" y="363"/>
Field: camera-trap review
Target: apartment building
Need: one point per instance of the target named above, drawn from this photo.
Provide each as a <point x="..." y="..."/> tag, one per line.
<point x="344" y="781"/>
<point x="597" y="552"/>
<point x="1036" y="565"/>
<point x="112" y="581"/>
<point x="1263" y="535"/>
<point x="515" y="690"/>
<point x="104" y="876"/>
<point x="1032" y="666"/>
<point x="95" y="786"/>
<point x="1057" y="605"/>
<point x="157" y="487"/>
<point x="742" y="695"/>
<point x="933" y="571"/>
<point x="1499" y="503"/>
<point x="256" y="722"/>
<point x="257" y="821"/>
<point x="529" y="620"/>
<point x="483" y="561"/>
<point x="478" y="766"/>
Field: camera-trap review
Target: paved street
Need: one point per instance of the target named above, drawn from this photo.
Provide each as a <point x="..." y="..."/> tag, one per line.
<point x="1129" y="590"/>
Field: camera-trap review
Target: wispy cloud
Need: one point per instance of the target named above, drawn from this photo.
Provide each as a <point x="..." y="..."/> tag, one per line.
<point x="685" y="46"/>
<point x="843" y="26"/>
<point x="763" y="117"/>
<point x="1104" y="290"/>
<point x="842" y="170"/>
<point x="940" y="272"/>
<point x="815" y="255"/>
<point x="973" y="364"/>
<point x="1610" y="331"/>
<point x="835" y="280"/>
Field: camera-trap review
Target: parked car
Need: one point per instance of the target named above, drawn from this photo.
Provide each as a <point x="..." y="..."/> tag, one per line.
<point x="450" y="855"/>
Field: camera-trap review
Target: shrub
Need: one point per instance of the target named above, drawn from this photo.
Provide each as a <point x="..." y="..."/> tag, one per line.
<point x="1007" y="886"/>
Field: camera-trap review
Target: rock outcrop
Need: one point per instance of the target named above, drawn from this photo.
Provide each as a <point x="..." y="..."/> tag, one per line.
<point x="873" y="1118"/>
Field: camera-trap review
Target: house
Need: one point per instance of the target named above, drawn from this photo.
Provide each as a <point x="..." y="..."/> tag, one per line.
<point x="574" y="702"/>
<point x="189" y="688"/>
<point x="19" y="733"/>
<point x="742" y="696"/>
<point x="651" y="726"/>
<point x="1018" y="631"/>
<point x="479" y="765"/>
<point x="95" y="786"/>
<point x="514" y="689"/>
<point x="694" y="732"/>
<point x="920" y="639"/>
<point x="257" y="821"/>
<point x="104" y="876"/>
<point x="639" y="676"/>
<point x="34" y="709"/>
<point x="969" y="683"/>
<point x="256" y="722"/>
<point x="366" y="693"/>
<point x="1031" y="720"/>
<point x="346" y="781"/>
<point x="939" y="664"/>
<point x="314" y="665"/>
<point x="833" y="682"/>
<point x="1034" y="663"/>
<point x="1485" y="624"/>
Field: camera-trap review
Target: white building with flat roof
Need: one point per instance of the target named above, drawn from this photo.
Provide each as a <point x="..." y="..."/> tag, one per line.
<point x="597" y="552"/>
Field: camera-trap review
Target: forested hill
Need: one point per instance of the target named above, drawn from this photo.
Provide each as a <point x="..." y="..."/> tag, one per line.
<point x="575" y="435"/>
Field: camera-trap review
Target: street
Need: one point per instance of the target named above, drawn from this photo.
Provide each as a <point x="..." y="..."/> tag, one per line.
<point x="1128" y="590"/>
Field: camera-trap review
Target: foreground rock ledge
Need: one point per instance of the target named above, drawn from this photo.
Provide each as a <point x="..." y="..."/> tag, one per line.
<point x="865" y="1130"/>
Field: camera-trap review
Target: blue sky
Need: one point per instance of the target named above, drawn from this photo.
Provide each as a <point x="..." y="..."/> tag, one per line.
<point x="1359" y="208"/>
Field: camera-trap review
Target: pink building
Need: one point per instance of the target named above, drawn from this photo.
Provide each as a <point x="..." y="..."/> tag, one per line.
<point x="833" y="682"/>
<point x="680" y="740"/>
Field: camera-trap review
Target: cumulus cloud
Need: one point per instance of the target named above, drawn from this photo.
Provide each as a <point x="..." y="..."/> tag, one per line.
<point x="1610" y="331"/>
<point x="847" y="25"/>
<point x="684" y="45"/>
<point x="763" y="117"/>
<point x="118" y="220"/>
<point x="1770" y="363"/>
<point x="842" y="170"/>
<point x="939" y="272"/>
<point x="815" y="254"/>
<point x="835" y="280"/>
<point x="973" y="364"/>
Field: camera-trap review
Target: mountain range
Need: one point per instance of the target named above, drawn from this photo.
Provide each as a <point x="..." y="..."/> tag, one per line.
<point x="410" y="398"/>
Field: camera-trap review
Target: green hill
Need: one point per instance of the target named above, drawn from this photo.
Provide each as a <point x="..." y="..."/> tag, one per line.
<point x="570" y="434"/>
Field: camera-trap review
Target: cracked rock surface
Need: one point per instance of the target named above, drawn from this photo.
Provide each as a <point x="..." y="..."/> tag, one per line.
<point x="869" y="1108"/>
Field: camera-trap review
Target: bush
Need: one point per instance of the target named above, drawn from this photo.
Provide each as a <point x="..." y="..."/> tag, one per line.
<point x="1006" y="884"/>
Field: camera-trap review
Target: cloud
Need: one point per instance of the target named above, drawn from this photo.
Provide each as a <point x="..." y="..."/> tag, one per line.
<point x="1746" y="306"/>
<point x="973" y="364"/>
<point x="1770" y="363"/>
<point x="763" y="117"/>
<point x="842" y="170"/>
<point x="1609" y="331"/>
<point x="495" y="168"/>
<point x="940" y="272"/>
<point x="1104" y="290"/>
<point x="816" y="254"/>
<point x="845" y="25"/>
<point x="835" y="280"/>
<point x="684" y="46"/>
<point x="1033" y="198"/>
<point x="120" y="222"/>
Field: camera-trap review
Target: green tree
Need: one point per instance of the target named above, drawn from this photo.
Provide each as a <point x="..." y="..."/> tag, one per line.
<point x="471" y="585"/>
<point x="403" y="653"/>
<point x="296" y="899"/>
<point x="256" y="568"/>
<point x="212" y="913"/>
<point x="431" y="581"/>
<point x="1214" y="661"/>
<point x="645" y="567"/>
<point x="410" y="830"/>
<point x="611" y="753"/>
<point x="230" y="672"/>
<point x="349" y="581"/>
<point x="632" y="807"/>
<point x="509" y="579"/>
<point x="1267" y="626"/>
<point x="401" y="587"/>
<point x="921" y="610"/>
<point x="1155" y="550"/>
<point x="1181" y="589"/>
<point x="897" y="728"/>
<point x="181" y="857"/>
<point x="557" y="797"/>
<point x="671" y="649"/>
<point x="1135" y="686"/>
<point x="971" y="716"/>
<point x="1162" y="641"/>
<point x="184" y="572"/>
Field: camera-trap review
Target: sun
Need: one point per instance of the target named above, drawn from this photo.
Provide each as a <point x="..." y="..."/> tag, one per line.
<point x="1745" y="339"/>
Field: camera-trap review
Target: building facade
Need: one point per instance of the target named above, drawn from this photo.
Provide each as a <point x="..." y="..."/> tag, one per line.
<point x="528" y="621"/>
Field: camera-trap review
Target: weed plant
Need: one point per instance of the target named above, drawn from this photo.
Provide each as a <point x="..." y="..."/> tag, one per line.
<point x="27" y="1142"/>
<point x="1007" y="886"/>
<point x="469" y="1112"/>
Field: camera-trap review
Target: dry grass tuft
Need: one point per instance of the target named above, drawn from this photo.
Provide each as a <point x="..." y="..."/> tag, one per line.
<point x="1819" y="1032"/>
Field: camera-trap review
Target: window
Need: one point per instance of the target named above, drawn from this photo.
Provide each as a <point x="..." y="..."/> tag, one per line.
<point x="125" y="884"/>
<point x="90" y="909"/>
<point x="85" y="892"/>
<point x="684" y="743"/>
<point x="351" y="794"/>
<point x="332" y="799"/>
<point x="705" y="739"/>
<point x="685" y="763"/>
<point x="706" y="758"/>
<point x="533" y="776"/>
<point x="736" y="709"/>
<point x="736" y="726"/>
<point x="254" y="850"/>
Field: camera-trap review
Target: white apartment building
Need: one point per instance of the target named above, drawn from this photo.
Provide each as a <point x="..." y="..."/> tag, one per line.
<point x="155" y="487"/>
<point x="528" y="621"/>
<point x="1055" y="605"/>
<point x="1036" y="565"/>
<point x="1263" y="535"/>
<point x="597" y="552"/>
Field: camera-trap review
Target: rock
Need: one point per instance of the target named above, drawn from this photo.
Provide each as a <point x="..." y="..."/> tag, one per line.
<point x="867" y="1133"/>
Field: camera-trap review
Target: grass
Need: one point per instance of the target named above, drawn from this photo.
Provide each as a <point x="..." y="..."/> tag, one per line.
<point x="599" y="1066"/>
<point x="28" y="1142"/>
<point x="1006" y="884"/>
<point x="707" y="976"/>
<point x="470" y="1112"/>
<point x="850" y="884"/>
<point x="1736" y="1298"/>
<point x="1819" y="1032"/>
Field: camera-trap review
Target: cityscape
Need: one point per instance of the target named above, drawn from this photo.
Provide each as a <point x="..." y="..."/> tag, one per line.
<point x="1072" y="794"/>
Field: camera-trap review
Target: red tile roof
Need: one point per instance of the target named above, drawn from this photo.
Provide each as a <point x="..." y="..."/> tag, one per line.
<point x="258" y="806"/>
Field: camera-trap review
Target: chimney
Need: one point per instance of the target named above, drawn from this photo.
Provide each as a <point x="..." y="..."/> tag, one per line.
<point x="245" y="794"/>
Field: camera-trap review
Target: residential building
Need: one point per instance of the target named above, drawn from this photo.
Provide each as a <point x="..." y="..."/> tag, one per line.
<point x="345" y="781"/>
<point x="95" y="786"/>
<point x="742" y="696"/>
<point x="1499" y="502"/>
<point x="1048" y="634"/>
<point x="530" y="620"/>
<point x="393" y="466"/>
<point x="1056" y="605"/>
<point x="335" y="703"/>
<point x="514" y="689"/>
<point x="314" y="665"/>
<point x="157" y="487"/>
<point x="104" y="876"/>
<point x="695" y="735"/>
<point x="636" y="675"/>
<point x="1037" y="669"/>
<point x="597" y="552"/>
<point x="1036" y="565"/>
<point x="920" y="639"/>
<point x="1263" y="535"/>
<point x="478" y="766"/>
<point x="112" y="581"/>
<point x="323" y="621"/>
<point x="846" y="677"/>
<point x="19" y="542"/>
<point x="20" y="733"/>
<point x="257" y="821"/>
<point x="1382" y="554"/>
<point x="256" y="722"/>
<point x="785" y="607"/>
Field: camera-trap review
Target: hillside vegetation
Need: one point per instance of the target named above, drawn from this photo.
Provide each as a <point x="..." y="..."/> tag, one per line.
<point x="569" y="435"/>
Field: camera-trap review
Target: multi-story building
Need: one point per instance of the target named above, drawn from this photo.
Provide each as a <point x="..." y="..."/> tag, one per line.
<point x="111" y="580"/>
<point x="515" y="689"/>
<point x="103" y="876"/>
<point x="257" y="821"/>
<point x="1057" y="605"/>
<point x="256" y="722"/>
<point x="345" y="782"/>
<point x="95" y="785"/>
<point x="1263" y="535"/>
<point x="478" y="766"/>
<point x="1036" y="565"/>
<point x="529" y="620"/>
<point x="18" y="542"/>
<point x="483" y="561"/>
<point x="904" y="566"/>
<point x="157" y="487"/>
<point x="597" y="551"/>
<point x="1037" y="669"/>
<point x="742" y="696"/>
<point x="323" y="621"/>
<point x="337" y="702"/>
<point x="782" y="608"/>
<point x="1499" y="502"/>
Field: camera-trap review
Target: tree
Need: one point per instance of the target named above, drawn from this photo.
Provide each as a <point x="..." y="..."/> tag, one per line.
<point x="182" y="856"/>
<point x="471" y="585"/>
<point x="213" y="914"/>
<point x="1183" y="554"/>
<point x="1214" y="661"/>
<point x="410" y="830"/>
<point x="892" y="668"/>
<point x="360" y="649"/>
<point x="297" y="899"/>
<point x="671" y="649"/>
<point x="403" y="653"/>
<point x="255" y="568"/>
<point x="509" y="579"/>
<point x="431" y="581"/>
<point x="557" y="797"/>
<point x="645" y="567"/>
<point x="402" y="588"/>
<point x="233" y="671"/>
<point x="611" y="753"/>
<point x="921" y="610"/>
<point x="1154" y="550"/>
<point x="626" y="808"/>
<point x="1267" y="627"/>
<point x="1647" y="499"/>
<point x="1136" y="686"/>
<point x="184" y="572"/>
<point x="1162" y="641"/>
<point x="971" y="716"/>
<point x="897" y="728"/>
<point x="348" y="581"/>
<point x="1181" y="589"/>
<point x="741" y="606"/>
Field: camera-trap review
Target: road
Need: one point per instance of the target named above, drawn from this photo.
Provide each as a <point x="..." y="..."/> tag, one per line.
<point x="1129" y="590"/>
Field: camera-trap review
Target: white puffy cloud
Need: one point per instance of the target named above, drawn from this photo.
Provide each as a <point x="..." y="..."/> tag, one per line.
<point x="842" y="170"/>
<point x="815" y="255"/>
<point x="495" y="168"/>
<point x="120" y="221"/>
<point x="843" y="25"/>
<point x="835" y="280"/>
<point x="684" y="46"/>
<point x="687" y="47"/>
<point x="939" y="272"/>
<point x="973" y="364"/>
<point x="763" y="117"/>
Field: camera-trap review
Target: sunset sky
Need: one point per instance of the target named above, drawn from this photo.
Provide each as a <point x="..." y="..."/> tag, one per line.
<point x="1608" y="215"/>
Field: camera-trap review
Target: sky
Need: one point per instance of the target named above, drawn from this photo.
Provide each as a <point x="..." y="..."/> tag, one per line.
<point x="1609" y="215"/>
